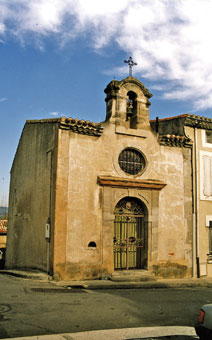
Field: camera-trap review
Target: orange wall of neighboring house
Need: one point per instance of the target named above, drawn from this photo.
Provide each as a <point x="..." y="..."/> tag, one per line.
<point x="3" y="233"/>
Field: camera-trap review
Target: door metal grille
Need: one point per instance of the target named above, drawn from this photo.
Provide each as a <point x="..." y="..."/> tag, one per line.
<point x="129" y="235"/>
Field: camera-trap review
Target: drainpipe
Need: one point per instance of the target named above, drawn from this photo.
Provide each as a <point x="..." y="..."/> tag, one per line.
<point x="193" y="213"/>
<point x="157" y="125"/>
<point x="196" y="200"/>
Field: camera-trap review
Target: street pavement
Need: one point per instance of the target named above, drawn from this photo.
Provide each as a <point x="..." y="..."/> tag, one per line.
<point x="150" y="333"/>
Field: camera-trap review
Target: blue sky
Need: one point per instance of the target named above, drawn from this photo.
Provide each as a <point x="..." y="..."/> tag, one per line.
<point x="57" y="56"/>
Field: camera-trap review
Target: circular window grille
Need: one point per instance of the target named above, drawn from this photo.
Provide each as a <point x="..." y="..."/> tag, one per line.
<point x="131" y="161"/>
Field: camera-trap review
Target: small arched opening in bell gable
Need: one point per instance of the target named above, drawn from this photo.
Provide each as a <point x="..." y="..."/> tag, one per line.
<point x="130" y="241"/>
<point x="131" y="114"/>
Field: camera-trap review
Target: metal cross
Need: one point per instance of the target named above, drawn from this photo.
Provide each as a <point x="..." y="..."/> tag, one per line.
<point x="131" y="63"/>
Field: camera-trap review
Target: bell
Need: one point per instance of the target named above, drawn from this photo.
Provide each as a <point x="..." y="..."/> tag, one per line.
<point x="129" y="112"/>
<point x="129" y="109"/>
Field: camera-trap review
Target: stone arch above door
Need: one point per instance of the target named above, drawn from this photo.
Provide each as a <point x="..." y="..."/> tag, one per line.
<point x="115" y="189"/>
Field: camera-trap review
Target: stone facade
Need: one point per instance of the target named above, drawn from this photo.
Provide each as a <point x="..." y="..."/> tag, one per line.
<point x="117" y="195"/>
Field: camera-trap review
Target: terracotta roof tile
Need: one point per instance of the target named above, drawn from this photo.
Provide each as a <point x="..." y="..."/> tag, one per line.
<point x="84" y="127"/>
<point x="173" y="140"/>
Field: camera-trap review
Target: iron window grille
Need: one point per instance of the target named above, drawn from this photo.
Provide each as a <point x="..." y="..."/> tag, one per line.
<point x="131" y="161"/>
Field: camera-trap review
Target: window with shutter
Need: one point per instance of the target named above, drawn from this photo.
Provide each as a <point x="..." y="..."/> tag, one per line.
<point x="205" y="175"/>
<point x="207" y="138"/>
<point x="207" y="187"/>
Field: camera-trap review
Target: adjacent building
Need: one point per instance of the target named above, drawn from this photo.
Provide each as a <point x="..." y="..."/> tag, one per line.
<point x="199" y="131"/>
<point x="87" y="199"/>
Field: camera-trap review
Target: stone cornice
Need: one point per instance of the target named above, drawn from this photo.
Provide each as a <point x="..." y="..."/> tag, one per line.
<point x="119" y="182"/>
<point x="198" y="122"/>
<point x="81" y="126"/>
<point x="173" y="140"/>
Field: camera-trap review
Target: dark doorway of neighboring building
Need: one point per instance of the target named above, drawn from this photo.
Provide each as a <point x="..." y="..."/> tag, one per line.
<point x="130" y="234"/>
<point x="2" y="257"/>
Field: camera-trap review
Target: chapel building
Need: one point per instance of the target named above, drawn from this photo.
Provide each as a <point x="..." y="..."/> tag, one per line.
<point x="90" y="199"/>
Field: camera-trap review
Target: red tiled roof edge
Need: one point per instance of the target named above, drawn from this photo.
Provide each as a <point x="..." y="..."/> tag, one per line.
<point x="170" y="118"/>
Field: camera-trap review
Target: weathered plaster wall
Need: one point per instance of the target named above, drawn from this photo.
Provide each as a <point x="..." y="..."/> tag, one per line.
<point x="175" y="230"/>
<point x="170" y="126"/>
<point x="29" y="202"/>
<point x="90" y="207"/>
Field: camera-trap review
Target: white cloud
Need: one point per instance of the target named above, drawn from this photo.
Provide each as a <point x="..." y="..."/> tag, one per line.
<point x="3" y="100"/>
<point x="170" y="40"/>
<point x="54" y="113"/>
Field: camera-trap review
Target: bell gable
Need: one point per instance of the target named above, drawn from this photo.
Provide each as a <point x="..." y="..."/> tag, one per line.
<point x="127" y="103"/>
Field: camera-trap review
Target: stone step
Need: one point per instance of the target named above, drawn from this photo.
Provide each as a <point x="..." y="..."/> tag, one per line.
<point x="132" y="275"/>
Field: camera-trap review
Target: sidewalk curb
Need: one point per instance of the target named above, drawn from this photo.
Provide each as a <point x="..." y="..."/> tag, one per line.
<point x="110" y="285"/>
<point x="133" y="286"/>
<point x="26" y="275"/>
<point x="119" y="334"/>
